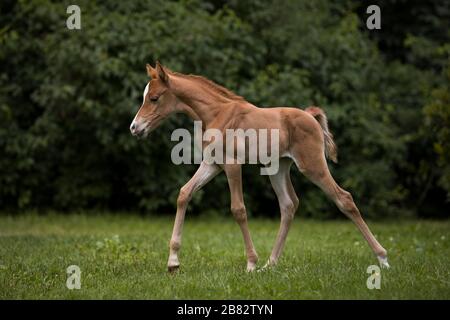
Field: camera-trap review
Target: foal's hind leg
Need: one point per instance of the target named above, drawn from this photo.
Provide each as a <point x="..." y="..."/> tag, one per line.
<point x="288" y="202"/>
<point x="316" y="169"/>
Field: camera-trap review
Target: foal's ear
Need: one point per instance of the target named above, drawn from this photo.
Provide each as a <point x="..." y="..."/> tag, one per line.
<point x="162" y="73"/>
<point x="151" y="72"/>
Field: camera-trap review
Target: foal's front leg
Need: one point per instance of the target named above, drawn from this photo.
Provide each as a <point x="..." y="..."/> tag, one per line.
<point x="234" y="176"/>
<point x="203" y="175"/>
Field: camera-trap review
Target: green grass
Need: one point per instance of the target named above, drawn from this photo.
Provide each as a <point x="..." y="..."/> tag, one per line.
<point x="125" y="257"/>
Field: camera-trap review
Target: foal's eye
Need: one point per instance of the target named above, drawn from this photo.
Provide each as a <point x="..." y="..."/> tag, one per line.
<point x="154" y="99"/>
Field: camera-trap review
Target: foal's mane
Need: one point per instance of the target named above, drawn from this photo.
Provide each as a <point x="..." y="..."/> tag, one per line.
<point x="210" y="84"/>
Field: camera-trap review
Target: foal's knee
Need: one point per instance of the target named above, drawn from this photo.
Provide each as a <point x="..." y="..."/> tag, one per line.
<point x="288" y="210"/>
<point x="183" y="197"/>
<point x="239" y="213"/>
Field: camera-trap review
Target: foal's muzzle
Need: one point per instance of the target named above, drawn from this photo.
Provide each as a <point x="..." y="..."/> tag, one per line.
<point x="135" y="130"/>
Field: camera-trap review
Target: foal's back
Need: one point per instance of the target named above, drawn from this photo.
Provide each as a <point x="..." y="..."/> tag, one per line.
<point x="299" y="130"/>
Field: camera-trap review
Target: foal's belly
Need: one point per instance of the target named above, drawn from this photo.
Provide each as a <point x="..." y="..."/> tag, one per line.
<point x="263" y="131"/>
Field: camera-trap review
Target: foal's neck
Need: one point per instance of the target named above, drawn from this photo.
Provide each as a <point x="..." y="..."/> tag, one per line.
<point x="205" y="103"/>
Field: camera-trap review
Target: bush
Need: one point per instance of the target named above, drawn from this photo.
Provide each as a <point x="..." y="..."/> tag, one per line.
<point x="67" y="98"/>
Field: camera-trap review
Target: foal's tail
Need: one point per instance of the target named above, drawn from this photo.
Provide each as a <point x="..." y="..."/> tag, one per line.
<point x="330" y="146"/>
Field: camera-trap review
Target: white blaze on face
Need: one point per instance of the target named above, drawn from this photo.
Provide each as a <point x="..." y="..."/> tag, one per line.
<point x="134" y="125"/>
<point x="145" y="92"/>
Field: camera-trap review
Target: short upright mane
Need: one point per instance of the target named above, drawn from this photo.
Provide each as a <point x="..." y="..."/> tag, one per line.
<point x="212" y="85"/>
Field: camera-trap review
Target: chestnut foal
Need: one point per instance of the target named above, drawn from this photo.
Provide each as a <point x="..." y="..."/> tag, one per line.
<point x="304" y="139"/>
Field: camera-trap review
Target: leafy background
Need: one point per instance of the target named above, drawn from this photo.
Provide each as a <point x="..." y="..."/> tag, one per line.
<point x="67" y="98"/>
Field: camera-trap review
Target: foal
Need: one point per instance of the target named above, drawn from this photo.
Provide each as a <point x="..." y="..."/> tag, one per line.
<point x="304" y="139"/>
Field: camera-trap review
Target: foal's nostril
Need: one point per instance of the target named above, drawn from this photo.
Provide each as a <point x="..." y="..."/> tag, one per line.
<point x="133" y="126"/>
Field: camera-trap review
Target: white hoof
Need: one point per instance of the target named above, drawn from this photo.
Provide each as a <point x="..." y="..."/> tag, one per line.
<point x="173" y="264"/>
<point x="383" y="262"/>
<point x="251" y="268"/>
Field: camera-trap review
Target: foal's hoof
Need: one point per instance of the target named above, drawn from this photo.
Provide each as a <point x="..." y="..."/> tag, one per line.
<point x="173" y="269"/>
<point x="383" y="262"/>
<point x="251" y="268"/>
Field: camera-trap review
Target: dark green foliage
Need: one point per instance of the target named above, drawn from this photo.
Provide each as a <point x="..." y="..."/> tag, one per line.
<point x="67" y="98"/>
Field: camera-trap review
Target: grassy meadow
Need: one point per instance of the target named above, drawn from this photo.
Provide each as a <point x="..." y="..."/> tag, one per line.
<point x="124" y="257"/>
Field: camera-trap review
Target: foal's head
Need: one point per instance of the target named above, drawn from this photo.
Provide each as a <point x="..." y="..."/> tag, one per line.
<point x="158" y="102"/>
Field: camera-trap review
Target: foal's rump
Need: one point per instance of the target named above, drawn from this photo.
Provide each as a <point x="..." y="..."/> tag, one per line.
<point x="309" y="137"/>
